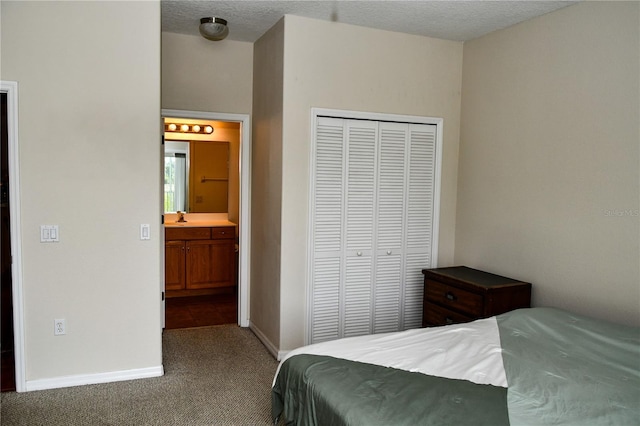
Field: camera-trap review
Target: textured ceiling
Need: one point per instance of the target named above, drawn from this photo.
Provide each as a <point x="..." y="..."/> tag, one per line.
<point x="451" y="20"/>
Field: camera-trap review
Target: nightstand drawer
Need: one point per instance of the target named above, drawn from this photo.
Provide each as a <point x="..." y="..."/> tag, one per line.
<point x="435" y="315"/>
<point x="455" y="298"/>
<point x="460" y="294"/>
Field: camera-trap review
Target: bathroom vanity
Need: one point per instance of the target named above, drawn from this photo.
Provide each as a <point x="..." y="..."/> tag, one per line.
<point x="199" y="256"/>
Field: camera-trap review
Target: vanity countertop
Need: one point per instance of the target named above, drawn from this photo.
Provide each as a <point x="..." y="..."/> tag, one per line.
<point x="199" y="224"/>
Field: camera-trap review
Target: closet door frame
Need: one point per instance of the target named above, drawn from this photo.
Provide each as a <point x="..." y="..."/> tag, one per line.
<point x="360" y="115"/>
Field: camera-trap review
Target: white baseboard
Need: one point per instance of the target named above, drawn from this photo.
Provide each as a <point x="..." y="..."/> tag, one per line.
<point x="282" y="354"/>
<point x="91" y="379"/>
<point x="266" y="342"/>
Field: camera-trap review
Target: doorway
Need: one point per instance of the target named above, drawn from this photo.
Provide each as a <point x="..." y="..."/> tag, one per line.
<point x="6" y="309"/>
<point x="221" y="305"/>
<point x="12" y="301"/>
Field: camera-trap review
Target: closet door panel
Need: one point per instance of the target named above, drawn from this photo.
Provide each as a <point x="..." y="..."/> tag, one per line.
<point x="387" y="291"/>
<point x="420" y="187"/>
<point x="419" y="220"/>
<point x="357" y="296"/>
<point x="329" y="185"/>
<point x="360" y="163"/>
<point x="360" y="184"/>
<point x="327" y="235"/>
<point x="390" y="211"/>
<point x="325" y="304"/>
<point x="391" y="186"/>
<point x="413" y="289"/>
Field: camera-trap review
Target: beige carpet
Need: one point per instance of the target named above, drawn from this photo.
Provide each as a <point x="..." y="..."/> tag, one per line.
<point x="219" y="375"/>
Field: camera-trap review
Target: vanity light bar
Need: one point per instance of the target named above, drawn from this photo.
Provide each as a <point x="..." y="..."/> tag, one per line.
<point x="188" y="128"/>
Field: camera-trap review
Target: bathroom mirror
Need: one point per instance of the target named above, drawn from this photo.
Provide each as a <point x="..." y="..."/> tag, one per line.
<point x="196" y="176"/>
<point x="201" y="165"/>
<point x="176" y="178"/>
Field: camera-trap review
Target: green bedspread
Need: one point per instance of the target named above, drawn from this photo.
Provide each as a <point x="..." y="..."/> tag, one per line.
<point x="566" y="369"/>
<point x="561" y="369"/>
<point x="321" y="390"/>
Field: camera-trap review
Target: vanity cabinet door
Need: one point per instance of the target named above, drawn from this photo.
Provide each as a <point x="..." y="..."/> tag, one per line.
<point x="174" y="271"/>
<point x="209" y="263"/>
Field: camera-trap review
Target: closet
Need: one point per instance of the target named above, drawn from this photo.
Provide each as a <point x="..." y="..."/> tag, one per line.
<point x="374" y="191"/>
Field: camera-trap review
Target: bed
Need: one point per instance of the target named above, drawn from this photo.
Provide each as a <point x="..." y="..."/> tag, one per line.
<point x="525" y="367"/>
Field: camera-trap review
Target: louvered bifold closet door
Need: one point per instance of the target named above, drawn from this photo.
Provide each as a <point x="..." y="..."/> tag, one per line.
<point x="327" y="222"/>
<point x="419" y="219"/>
<point x="361" y="137"/>
<point x="371" y="220"/>
<point x="392" y="152"/>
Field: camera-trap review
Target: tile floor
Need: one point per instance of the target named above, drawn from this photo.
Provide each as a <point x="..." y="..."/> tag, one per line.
<point x="199" y="311"/>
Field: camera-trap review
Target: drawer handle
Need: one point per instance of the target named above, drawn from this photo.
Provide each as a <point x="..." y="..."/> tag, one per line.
<point x="450" y="296"/>
<point x="359" y="253"/>
<point x="388" y="251"/>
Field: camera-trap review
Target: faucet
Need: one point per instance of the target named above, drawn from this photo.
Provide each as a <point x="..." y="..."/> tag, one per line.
<point x="180" y="216"/>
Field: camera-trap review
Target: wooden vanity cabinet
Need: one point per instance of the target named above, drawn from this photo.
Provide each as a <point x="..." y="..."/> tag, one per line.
<point x="199" y="258"/>
<point x="174" y="265"/>
<point x="209" y="263"/>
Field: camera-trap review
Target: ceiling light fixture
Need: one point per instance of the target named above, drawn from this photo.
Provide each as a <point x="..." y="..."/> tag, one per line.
<point x="213" y="28"/>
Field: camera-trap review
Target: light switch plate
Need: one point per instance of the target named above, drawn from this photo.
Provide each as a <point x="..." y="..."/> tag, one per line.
<point x="145" y="231"/>
<point x="49" y="234"/>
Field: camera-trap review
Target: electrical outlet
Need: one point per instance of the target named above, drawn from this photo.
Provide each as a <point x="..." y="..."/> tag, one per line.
<point x="59" y="327"/>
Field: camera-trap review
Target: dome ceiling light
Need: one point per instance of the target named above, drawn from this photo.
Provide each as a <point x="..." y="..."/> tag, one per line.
<point x="213" y="28"/>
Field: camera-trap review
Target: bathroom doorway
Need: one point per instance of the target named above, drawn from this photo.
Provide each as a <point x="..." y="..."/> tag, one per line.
<point x="216" y="305"/>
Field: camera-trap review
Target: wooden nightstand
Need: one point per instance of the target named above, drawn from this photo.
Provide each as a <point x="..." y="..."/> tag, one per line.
<point x="461" y="294"/>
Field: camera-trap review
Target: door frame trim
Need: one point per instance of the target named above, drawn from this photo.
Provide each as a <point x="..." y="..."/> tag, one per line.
<point x="11" y="89"/>
<point x="245" y="199"/>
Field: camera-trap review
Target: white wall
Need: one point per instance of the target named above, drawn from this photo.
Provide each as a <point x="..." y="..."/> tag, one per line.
<point x="89" y="127"/>
<point x="266" y="189"/>
<point x="340" y="66"/>
<point x="203" y="75"/>
<point x="549" y="158"/>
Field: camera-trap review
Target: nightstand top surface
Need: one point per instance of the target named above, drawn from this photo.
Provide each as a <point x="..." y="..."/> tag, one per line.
<point x="472" y="276"/>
